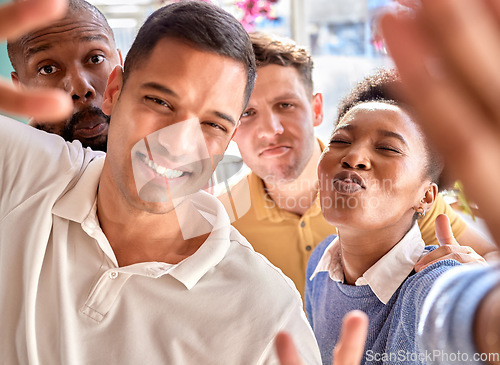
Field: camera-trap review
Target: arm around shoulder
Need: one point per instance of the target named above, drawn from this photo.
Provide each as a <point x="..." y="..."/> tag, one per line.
<point x="465" y="234"/>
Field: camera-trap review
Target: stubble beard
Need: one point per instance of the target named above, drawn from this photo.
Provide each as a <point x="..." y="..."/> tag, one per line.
<point x="284" y="174"/>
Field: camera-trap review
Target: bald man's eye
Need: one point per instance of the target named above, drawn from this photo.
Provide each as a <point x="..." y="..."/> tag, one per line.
<point x="47" y="70"/>
<point x="96" y="59"/>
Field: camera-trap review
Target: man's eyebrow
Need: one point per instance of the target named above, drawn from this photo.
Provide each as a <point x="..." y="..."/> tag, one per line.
<point x="225" y="117"/>
<point x="289" y="95"/>
<point x="158" y="87"/>
<point x="44" y="47"/>
<point x="93" y="37"/>
<point x="391" y="134"/>
<point x="34" y="50"/>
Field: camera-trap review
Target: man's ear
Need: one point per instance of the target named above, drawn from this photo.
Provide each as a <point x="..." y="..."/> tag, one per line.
<point x="430" y="195"/>
<point x="317" y="104"/>
<point x="15" y="78"/>
<point x="120" y="56"/>
<point x="113" y="89"/>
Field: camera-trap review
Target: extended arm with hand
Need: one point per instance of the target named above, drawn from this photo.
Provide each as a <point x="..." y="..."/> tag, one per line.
<point x="447" y="55"/>
<point x="16" y="18"/>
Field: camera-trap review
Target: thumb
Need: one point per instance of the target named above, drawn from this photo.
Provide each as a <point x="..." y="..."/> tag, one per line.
<point x="351" y="346"/>
<point x="444" y="234"/>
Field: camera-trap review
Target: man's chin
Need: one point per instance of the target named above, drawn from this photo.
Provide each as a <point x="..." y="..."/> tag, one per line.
<point x="279" y="175"/>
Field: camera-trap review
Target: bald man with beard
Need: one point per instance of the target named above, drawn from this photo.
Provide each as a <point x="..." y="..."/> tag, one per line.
<point x="76" y="54"/>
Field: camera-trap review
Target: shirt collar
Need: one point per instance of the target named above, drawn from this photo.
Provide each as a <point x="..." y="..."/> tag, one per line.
<point x="78" y="201"/>
<point x="213" y="250"/>
<point x="266" y="208"/>
<point x="78" y="204"/>
<point x="387" y="274"/>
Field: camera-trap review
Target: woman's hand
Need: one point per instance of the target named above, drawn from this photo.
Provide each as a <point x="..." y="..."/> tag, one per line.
<point x="448" y="248"/>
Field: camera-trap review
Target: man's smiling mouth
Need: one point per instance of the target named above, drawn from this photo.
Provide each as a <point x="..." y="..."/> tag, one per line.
<point x="159" y="169"/>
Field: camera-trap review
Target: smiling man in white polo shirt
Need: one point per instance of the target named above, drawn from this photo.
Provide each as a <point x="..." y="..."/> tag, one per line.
<point x="121" y="259"/>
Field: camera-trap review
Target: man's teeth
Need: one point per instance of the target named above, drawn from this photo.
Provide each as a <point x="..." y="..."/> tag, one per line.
<point x="168" y="173"/>
<point x="160" y="170"/>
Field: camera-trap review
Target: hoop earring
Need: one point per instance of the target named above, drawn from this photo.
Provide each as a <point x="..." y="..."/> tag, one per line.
<point x="420" y="212"/>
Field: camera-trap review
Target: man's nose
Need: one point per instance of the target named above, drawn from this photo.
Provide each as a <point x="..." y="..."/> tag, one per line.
<point x="77" y="84"/>
<point x="183" y="141"/>
<point x="270" y="125"/>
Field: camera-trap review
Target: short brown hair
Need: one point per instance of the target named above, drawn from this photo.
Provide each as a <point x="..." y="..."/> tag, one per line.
<point x="281" y="51"/>
<point x="202" y="25"/>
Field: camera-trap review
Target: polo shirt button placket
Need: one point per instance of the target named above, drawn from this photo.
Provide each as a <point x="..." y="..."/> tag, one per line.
<point x="104" y="294"/>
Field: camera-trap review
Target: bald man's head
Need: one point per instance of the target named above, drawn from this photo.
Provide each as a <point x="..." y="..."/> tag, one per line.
<point x="76" y="54"/>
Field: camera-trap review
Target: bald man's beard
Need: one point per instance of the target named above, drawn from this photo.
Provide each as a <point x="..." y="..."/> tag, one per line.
<point x="98" y="143"/>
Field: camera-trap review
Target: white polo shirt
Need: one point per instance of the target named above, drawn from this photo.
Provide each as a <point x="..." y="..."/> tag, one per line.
<point x="64" y="300"/>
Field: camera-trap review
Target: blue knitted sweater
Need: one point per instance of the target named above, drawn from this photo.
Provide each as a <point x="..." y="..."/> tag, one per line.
<point x="393" y="326"/>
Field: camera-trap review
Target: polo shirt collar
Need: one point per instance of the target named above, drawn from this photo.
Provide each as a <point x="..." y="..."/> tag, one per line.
<point x="190" y="270"/>
<point x="387" y="274"/>
<point x="78" y="201"/>
<point x="79" y="204"/>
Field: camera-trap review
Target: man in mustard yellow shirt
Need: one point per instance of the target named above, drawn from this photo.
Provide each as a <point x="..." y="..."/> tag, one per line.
<point x="276" y="140"/>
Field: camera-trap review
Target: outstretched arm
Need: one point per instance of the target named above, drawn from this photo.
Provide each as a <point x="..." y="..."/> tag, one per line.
<point x="17" y="18"/>
<point x="447" y="56"/>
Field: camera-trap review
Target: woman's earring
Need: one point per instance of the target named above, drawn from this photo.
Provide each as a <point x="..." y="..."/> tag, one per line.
<point x="420" y="212"/>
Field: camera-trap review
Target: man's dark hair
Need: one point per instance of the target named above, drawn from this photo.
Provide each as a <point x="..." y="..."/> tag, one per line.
<point x="383" y="86"/>
<point x="204" y="26"/>
<point x="74" y="6"/>
<point x="273" y="50"/>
